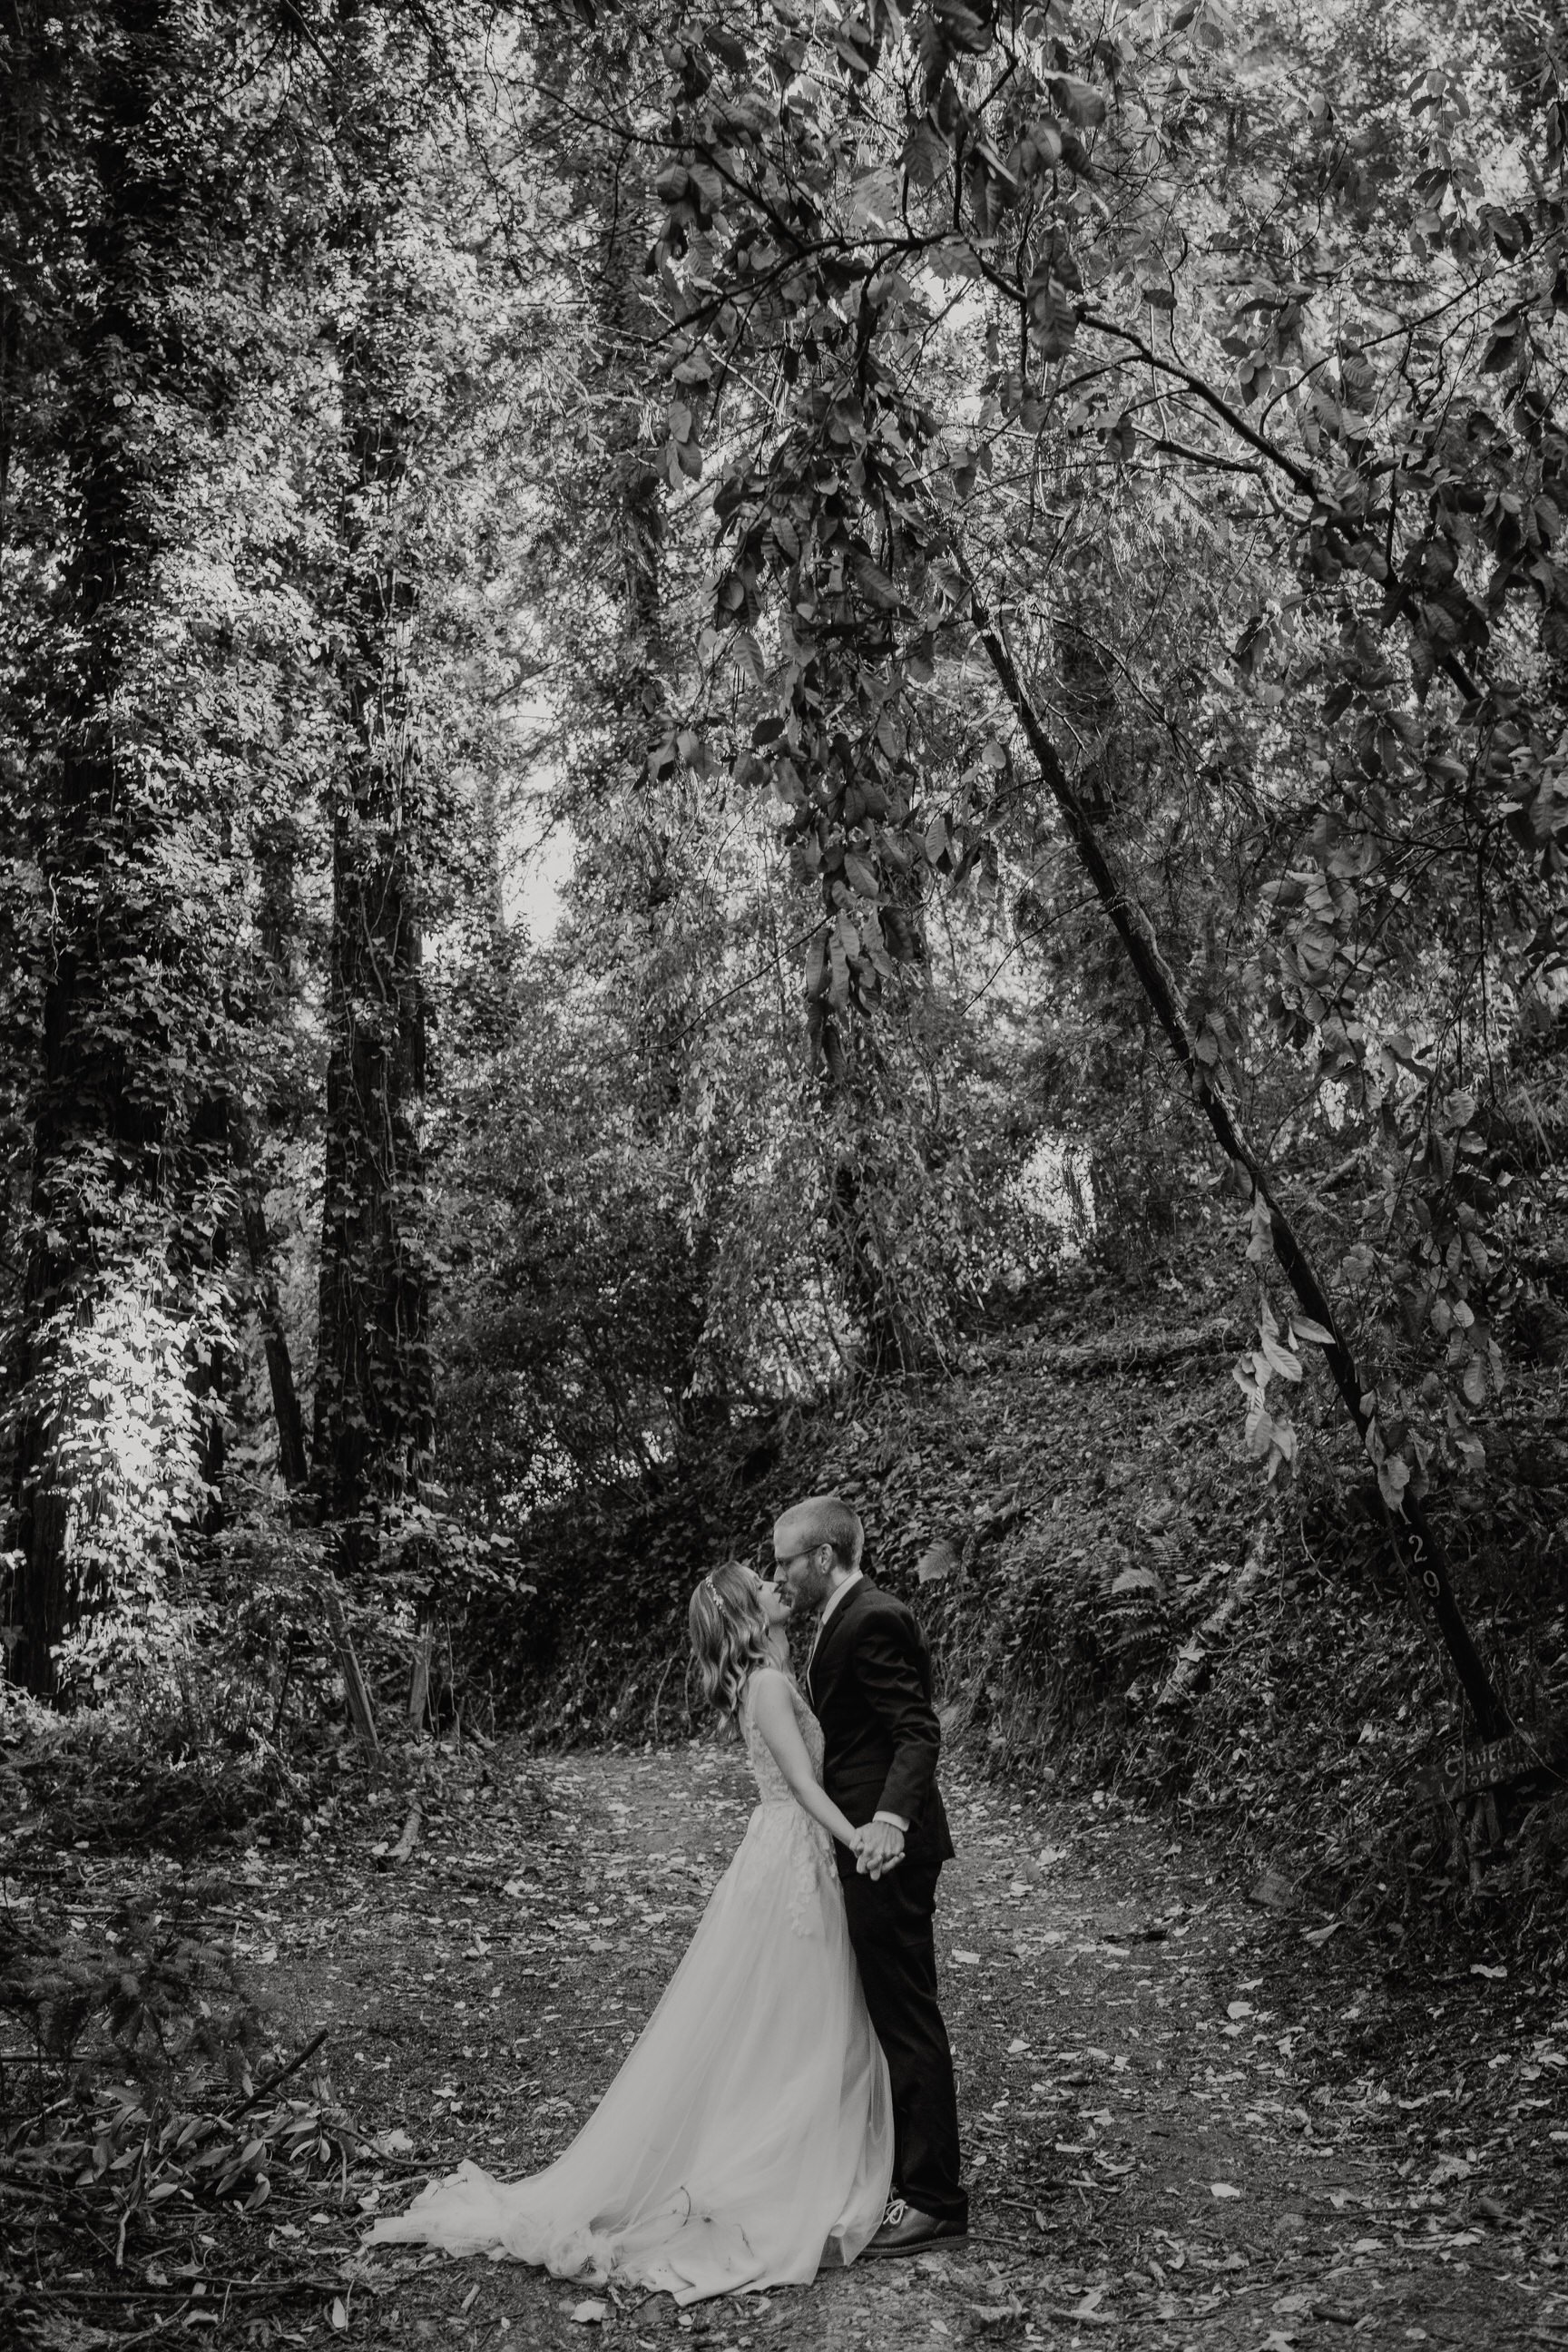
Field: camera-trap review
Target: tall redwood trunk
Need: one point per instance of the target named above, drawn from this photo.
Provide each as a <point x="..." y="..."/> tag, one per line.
<point x="374" y="1405"/>
<point x="129" y="840"/>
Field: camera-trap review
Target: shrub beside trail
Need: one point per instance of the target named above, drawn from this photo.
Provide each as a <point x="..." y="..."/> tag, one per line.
<point x="1115" y="1598"/>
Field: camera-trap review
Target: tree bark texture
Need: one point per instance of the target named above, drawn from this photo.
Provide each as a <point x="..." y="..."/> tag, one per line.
<point x="374" y="1404"/>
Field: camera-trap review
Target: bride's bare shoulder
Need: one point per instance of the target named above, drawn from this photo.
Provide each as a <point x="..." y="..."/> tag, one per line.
<point x="765" y="1679"/>
<point x="772" y="1690"/>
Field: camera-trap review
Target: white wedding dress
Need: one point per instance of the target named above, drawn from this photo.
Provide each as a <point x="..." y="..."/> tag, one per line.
<point x="749" y="2137"/>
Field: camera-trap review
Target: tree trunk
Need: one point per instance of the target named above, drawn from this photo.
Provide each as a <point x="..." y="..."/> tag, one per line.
<point x="890" y="1347"/>
<point x="373" y="1412"/>
<point x="290" y="1421"/>
<point x="374" y="1406"/>
<point x="356" y="1690"/>
<point x="130" y="838"/>
<point x="419" y="1680"/>
<point x="1411" y="1535"/>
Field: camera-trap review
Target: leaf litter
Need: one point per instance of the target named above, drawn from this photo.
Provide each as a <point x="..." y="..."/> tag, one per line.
<point x="1160" y="2134"/>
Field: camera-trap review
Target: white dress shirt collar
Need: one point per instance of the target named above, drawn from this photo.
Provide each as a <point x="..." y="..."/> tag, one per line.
<point x="854" y="1577"/>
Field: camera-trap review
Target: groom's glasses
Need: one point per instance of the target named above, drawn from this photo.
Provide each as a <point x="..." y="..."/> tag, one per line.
<point x="781" y="1565"/>
<point x="794" y="1556"/>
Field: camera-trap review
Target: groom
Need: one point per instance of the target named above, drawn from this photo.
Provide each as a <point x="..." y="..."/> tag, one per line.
<point x="869" y="1684"/>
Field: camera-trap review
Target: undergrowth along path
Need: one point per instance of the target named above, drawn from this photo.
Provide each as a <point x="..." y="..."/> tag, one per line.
<point x="1191" y="2123"/>
<point x="1188" y="2121"/>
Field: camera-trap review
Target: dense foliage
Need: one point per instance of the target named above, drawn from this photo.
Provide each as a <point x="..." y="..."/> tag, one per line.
<point x="746" y="749"/>
<point x="692" y="702"/>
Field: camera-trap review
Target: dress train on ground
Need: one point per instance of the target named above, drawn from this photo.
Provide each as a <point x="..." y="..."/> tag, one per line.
<point x="749" y="2137"/>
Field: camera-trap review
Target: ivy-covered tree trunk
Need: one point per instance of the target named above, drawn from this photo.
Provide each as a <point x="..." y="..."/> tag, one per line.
<point x="891" y="1344"/>
<point x="374" y="1404"/>
<point x="122" y="1307"/>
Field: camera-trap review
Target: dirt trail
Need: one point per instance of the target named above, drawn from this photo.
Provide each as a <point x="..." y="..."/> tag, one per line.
<point x="1186" y="2123"/>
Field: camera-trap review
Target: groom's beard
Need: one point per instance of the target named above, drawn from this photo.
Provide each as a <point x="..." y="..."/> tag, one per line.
<point x="813" y="1597"/>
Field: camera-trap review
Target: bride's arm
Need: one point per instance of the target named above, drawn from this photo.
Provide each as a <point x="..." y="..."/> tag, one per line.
<point x="774" y="1719"/>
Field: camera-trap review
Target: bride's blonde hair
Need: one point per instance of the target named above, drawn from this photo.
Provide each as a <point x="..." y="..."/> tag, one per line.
<point x="729" y="1633"/>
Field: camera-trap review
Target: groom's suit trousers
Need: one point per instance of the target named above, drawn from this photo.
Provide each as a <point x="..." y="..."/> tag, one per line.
<point x="892" y="1929"/>
<point x="870" y="1684"/>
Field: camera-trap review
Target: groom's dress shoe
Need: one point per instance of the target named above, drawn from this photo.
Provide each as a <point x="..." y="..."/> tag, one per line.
<point x="907" y="2230"/>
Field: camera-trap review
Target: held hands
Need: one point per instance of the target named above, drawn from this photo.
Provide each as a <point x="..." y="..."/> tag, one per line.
<point x="878" y="1846"/>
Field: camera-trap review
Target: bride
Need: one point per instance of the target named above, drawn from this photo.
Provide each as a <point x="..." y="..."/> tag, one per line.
<point x="748" y="2139"/>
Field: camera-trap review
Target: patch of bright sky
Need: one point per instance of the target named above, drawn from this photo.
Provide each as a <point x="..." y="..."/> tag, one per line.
<point x="537" y="851"/>
<point x="533" y="881"/>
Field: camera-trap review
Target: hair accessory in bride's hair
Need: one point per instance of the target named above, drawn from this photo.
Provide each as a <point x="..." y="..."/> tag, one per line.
<point x="730" y="1633"/>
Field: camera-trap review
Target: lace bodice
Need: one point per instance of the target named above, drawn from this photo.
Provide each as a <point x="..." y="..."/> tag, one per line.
<point x="772" y="1787"/>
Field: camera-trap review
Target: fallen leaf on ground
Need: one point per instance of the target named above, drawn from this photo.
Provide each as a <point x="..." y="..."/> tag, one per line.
<point x="998" y="2315"/>
<point x="1086" y="2313"/>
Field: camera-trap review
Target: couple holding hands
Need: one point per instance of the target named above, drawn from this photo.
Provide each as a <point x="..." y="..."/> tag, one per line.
<point x="791" y="2102"/>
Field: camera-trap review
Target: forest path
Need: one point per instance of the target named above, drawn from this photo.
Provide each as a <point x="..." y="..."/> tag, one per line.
<point x="1185" y="2123"/>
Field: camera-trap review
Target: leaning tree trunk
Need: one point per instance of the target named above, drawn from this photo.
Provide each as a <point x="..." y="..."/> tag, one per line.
<point x="374" y="1405"/>
<point x="1412" y="1537"/>
<point x="121" y="1299"/>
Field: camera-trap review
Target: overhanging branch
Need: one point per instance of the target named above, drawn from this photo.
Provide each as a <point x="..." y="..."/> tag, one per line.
<point x="1413" y="1540"/>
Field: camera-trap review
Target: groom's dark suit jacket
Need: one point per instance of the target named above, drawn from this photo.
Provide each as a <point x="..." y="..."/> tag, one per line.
<point x="871" y="1688"/>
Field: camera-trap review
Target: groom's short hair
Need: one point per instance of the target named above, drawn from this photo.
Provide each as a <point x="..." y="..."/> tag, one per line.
<point x="831" y="1520"/>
